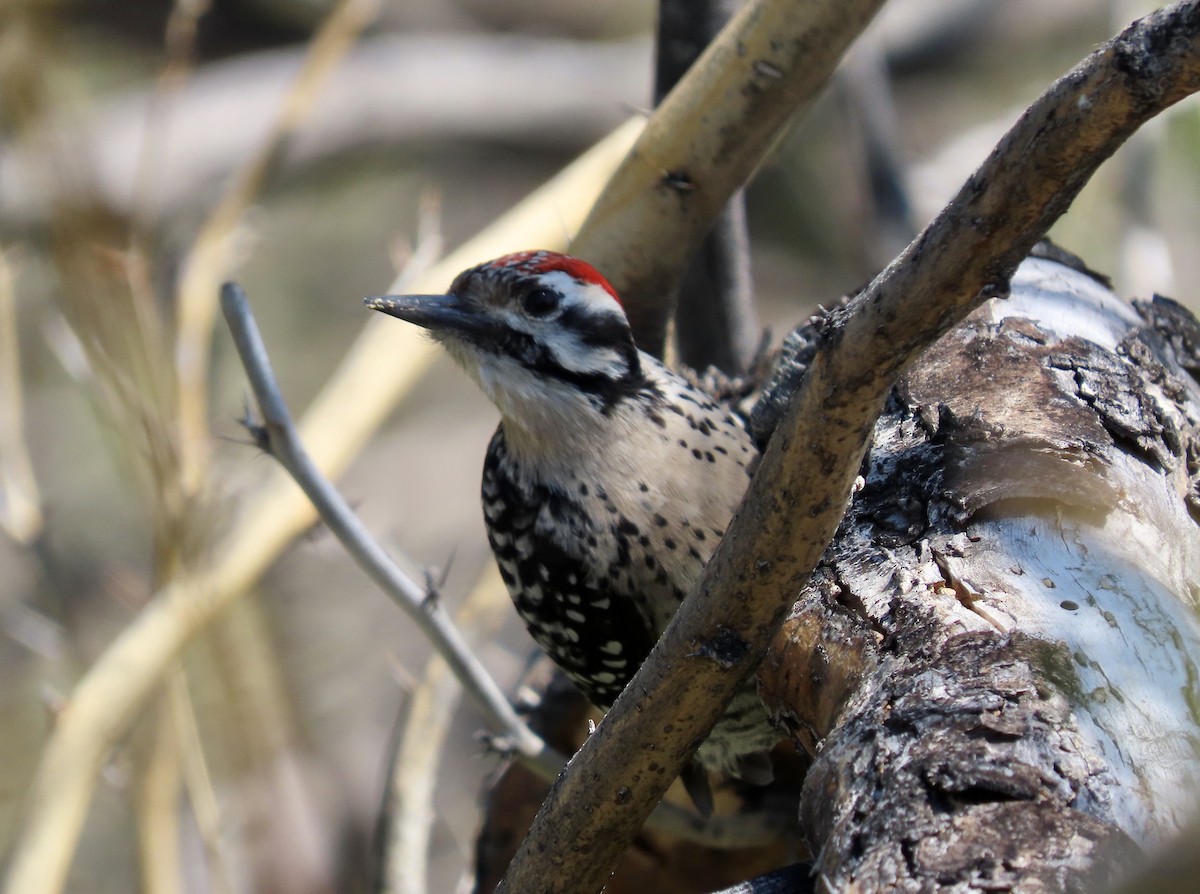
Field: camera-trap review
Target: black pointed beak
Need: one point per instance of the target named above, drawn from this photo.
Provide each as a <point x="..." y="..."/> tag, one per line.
<point x="433" y="312"/>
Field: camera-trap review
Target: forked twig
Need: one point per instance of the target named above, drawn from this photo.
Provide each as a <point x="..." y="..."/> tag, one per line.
<point x="277" y="434"/>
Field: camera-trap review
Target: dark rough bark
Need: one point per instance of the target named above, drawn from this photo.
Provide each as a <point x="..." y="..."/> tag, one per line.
<point x="995" y="683"/>
<point x="993" y="665"/>
<point x="797" y="499"/>
<point x="963" y="769"/>
<point x="715" y="320"/>
<point x="655" y="862"/>
<point x="514" y="793"/>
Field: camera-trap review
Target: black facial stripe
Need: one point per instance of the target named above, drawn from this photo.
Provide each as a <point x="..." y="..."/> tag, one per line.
<point x="596" y="330"/>
<point x="538" y="359"/>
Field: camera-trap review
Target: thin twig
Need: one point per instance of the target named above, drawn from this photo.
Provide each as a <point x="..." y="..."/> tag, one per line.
<point x="198" y="780"/>
<point x="799" y="493"/>
<point x="404" y="865"/>
<point x="414" y="599"/>
<point x="20" y="500"/>
<point x="408" y="807"/>
<point x="179" y="44"/>
<point x="715" y="320"/>
<point x="156" y="806"/>
<point x="865" y="85"/>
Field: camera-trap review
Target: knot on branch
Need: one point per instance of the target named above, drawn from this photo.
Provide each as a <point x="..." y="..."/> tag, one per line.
<point x="1153" y="46"/>
<point x="726" y="648"/>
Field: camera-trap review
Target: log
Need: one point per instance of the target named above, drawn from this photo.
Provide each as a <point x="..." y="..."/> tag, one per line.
<point x="994" y="665"/>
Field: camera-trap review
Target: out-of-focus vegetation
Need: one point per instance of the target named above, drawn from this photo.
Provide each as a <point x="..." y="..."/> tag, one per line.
<point x="124" y="129"/>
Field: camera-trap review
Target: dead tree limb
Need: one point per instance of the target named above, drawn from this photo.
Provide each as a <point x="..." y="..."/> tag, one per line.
<point x="967" y="255"/>
<point x="705" y="141"/>
<point x="1004" y="624"/>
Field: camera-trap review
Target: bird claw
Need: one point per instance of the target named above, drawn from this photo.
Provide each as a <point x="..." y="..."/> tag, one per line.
<point x="498" y="744"/>
<point x="695" y="782"/>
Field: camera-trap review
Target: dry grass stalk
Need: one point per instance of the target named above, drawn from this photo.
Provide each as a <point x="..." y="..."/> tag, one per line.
<point x="430" y="710"/>
<point x="210" y="260"/>
<point x="20" y="499"/>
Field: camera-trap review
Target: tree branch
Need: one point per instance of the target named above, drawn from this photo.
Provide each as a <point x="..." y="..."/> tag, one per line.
<point x="1004" y="626"/>
<point x="705" y="141"/>
<point x="20" y="498"/>
<point x="377" y="371"/>
<point x="407" y="815"/>
<point x="715" y="320"/>
<point x="278" y="437"/>
<point x="966" y="255"/>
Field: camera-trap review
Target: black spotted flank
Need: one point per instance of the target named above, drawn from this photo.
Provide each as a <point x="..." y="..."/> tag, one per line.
<point x="598" y="638"/>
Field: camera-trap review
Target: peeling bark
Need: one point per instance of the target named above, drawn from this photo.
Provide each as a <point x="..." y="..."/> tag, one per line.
<point x="994" y="664"/>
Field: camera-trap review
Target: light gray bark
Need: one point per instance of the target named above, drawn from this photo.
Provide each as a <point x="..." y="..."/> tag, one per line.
<point x="994" y="666"/>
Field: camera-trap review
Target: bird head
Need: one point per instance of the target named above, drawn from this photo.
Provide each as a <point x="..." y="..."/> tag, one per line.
<point x="541" y="332"/>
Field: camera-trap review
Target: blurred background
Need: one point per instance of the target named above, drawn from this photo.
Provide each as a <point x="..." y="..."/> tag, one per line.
<point x="124" y="130"/>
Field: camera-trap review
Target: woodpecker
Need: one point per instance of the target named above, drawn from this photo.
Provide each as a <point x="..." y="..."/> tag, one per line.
<point x="609" y="481"/>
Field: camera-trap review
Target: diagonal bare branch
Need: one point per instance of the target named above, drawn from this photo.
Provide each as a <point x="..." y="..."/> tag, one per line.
<point x="278" y="436"/>
<point x="109" y="696"/>
<point x="965" y="256"/>
<point x="418" y="602"/>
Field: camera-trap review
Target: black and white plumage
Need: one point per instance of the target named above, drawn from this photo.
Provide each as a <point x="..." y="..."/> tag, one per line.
<point x="609" y="481"/>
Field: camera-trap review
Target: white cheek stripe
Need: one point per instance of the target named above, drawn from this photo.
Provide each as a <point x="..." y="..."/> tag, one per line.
<point x="577" y="358"/>
<point x="595" y="297"/>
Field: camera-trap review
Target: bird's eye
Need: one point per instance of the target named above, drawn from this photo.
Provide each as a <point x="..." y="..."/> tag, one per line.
<point x="540" y="302"/>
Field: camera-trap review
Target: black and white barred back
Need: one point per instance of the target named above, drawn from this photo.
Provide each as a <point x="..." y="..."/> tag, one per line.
<point x="609" y="481"/>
